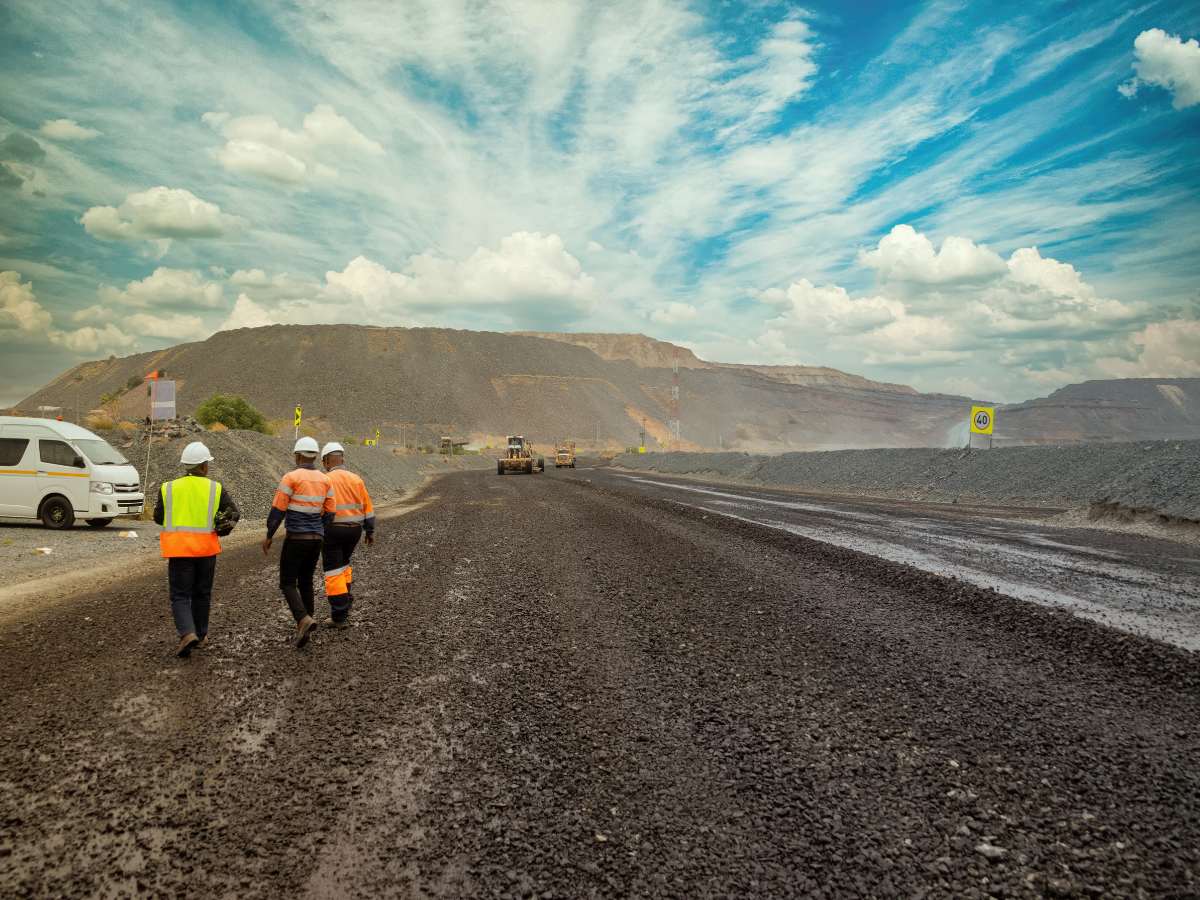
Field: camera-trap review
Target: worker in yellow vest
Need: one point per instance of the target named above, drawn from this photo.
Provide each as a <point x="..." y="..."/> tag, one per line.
<point x="194" y="512"/>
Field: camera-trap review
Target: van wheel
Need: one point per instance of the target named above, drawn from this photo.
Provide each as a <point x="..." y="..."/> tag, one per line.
<point x="57" y="513"/>
<point x="98" y="523"/>
<point x="499" y="468"/>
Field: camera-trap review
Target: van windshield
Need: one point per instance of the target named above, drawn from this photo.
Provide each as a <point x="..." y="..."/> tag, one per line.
<point x="101" y="453"/>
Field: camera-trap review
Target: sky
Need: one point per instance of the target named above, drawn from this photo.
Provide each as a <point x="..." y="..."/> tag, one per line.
<point x="975" y="198"/>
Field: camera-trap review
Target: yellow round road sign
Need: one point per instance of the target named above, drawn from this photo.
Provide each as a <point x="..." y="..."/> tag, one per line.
<point x="983" y="419"/>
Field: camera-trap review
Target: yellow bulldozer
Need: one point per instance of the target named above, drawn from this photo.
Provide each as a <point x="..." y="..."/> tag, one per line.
<point x="519" y="457"/>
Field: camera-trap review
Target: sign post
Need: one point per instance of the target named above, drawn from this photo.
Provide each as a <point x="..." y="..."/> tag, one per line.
<point x="298" y="417"/>
<point x="983" y="421"/>
<point x="162" y="406"/>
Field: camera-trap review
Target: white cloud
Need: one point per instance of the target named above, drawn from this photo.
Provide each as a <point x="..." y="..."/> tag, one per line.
<point x="1166" y="61"/>
<point x="907" y="255"/>
<point x="258" y="145"/>
<point x="1036" y="319"/>
<point x="1169" y="349"/>
<point x="259" y="285"/>
<point x="161" y="213"/>
<point x="529" y="279"/>
<point x="247" y="314"/>
<point x="180" y="288"/>
<point x="829" y="309"/>
<point x="1028" y="266"/>
<point x="528" y="269"/>
<point x="674" y="313"/>
<point x="67" y="130"/>
<point x="89" y="339"/>
<point x="19" y="307"/>
<point x="172" y="326"/>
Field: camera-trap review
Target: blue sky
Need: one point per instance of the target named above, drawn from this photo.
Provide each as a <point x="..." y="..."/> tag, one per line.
<point x="972" y="198"/>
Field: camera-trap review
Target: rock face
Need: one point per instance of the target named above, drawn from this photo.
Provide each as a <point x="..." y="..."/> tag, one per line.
<point x="596" y="389"/>
<point x="1129" y="409"/>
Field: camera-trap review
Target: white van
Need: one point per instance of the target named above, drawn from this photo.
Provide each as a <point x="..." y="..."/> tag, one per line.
<point x="56" y="472"/>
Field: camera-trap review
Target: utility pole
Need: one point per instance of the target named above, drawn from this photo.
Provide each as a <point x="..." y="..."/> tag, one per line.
<point x="674" y="421"/>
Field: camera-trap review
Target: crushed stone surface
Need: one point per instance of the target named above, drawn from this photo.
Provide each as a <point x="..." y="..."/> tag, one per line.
<point x="558" y="689"/>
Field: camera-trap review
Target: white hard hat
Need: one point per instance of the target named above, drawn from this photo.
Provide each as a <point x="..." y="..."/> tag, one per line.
<point x="194" y="454"/>
<point x="332" y="447"/>
<point x="307" y="446"/>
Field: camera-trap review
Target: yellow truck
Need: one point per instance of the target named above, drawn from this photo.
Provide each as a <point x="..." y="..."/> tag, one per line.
<point x="519" y="457"/>
<point x="564" y="455"/>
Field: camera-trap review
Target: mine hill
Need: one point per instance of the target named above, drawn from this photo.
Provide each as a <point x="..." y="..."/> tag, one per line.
<point x="594" y="388"/>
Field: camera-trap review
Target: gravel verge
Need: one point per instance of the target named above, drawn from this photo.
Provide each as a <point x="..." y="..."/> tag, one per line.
<point x="557" y="690"/>
<point x="1156" y="479"/>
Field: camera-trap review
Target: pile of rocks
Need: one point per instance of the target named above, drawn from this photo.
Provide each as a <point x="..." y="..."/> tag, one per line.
<point x="1145" y="478"/>
<point x="250" y="464"/>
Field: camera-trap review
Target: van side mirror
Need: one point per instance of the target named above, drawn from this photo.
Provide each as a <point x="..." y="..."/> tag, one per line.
<point x="78" y="462"/>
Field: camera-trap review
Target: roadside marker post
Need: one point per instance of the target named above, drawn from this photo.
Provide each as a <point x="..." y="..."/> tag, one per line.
<point x="298" y="417"/>
<point x="983" y="421"/>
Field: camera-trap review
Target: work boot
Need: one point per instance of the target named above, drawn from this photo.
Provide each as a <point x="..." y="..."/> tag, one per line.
<point x="304" y="630"/>
<point x="202" y="644"/>
<point x="187" y="644"/>
<point x="331" y="622"/>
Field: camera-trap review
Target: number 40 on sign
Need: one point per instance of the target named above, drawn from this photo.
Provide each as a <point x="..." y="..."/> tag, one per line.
<point x="983" y="419"/>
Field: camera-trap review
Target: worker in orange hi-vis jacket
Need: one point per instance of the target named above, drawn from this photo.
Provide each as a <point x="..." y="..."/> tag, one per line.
<point x="304" y="504"/>
<point x="353" y="518"/>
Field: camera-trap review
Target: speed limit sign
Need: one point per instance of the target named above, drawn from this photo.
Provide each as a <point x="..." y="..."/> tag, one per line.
<point x="983" y="419"/>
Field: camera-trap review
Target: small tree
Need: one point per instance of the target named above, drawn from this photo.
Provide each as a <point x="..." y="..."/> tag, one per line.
<point x="232" y="412"/>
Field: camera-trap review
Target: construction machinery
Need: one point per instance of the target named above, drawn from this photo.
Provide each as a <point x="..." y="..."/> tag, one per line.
<point x="564" y="455"/>
<point x="519" y="457"/>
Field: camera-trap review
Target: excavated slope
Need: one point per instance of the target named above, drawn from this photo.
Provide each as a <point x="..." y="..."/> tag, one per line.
<point x="596" y="389"/>
<point x="353" y="379"/>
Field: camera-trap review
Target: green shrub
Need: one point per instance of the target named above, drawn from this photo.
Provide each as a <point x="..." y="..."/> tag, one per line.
<point x="134" y="381"/>
<point x="232" y="412"/>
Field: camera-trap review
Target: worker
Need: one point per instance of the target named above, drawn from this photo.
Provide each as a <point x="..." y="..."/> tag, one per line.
<point x="353" y="518"/>
<point x="304" y="505"/>
<point x="194" y="512"/>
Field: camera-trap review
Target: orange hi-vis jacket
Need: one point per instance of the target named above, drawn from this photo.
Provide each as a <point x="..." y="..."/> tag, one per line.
<point x="352" y="502"/>
<point x="302" y="500"/>
<point x="189" y="517"/>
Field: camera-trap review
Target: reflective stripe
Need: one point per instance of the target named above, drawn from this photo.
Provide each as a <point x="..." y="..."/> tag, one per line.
<point x="343" y="520"/>
<point x="348" y="506"/>
<point x="284" y="488"/>
<point x="338" y="571"/>
<point x="311" y="498"/>
<point x="304" y="508"/>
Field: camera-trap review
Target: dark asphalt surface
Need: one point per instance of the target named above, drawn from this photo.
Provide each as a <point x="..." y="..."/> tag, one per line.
<point x="1141" y="584"/>
<point x="560" y="689"/>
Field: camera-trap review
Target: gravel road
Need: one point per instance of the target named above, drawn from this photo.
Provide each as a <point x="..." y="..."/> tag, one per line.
<point x="560" y="689"/>
<point x="1141" y="584"/>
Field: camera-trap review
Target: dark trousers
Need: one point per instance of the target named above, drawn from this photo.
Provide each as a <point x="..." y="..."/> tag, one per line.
<point x="340" y="541"/>
<point x="297" y="563"/>
<point x="191" y="579"/>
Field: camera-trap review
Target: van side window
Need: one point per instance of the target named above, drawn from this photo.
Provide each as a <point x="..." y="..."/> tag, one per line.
<point x="11" y="450"/>
<point x="58" y="453"/>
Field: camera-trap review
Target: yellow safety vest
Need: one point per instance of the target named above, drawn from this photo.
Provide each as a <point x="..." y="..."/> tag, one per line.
<point x="189" y="517"/>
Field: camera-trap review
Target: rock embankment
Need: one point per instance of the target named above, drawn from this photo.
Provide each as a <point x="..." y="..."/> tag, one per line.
<point x="1154" y="479"/>
<point x="250" y="465"/>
